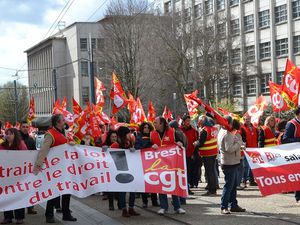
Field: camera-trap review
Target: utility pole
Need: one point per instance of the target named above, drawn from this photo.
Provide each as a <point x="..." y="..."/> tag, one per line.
<point x="91" y="72"/>
<point x="55" y="84"/>
<point x="16" y="101"/>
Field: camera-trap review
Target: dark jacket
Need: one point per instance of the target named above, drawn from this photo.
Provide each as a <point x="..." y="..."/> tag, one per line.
<point x="142" y="141"/>
<point x="29" y="141"/>
<point x="289" y="136"/>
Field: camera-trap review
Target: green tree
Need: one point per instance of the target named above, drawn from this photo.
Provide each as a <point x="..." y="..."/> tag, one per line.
<point x="7" y="102"/>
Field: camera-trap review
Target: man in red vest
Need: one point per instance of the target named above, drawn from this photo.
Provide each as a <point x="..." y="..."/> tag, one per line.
<point x="292" y="134"/>
<point x="192" y="136"/>
<point x="55" y="136"/>
<point x="163" y="135"/>
<point x="208" y="151"/>
<point x="250" y="137"/>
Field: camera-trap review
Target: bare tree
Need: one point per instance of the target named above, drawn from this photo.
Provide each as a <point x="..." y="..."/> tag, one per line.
<point x="7" y="102"/>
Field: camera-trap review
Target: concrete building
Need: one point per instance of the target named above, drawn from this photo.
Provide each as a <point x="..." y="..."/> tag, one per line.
<point x="265" y="34"/>
<point x="58" y="66"/>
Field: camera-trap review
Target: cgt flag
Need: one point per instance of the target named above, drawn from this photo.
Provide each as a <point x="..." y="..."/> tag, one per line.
<point x="290" y="86"/>
<point x="117" y="94"/>
<point x="279" y="104"/>
<point x="31" y="113"/>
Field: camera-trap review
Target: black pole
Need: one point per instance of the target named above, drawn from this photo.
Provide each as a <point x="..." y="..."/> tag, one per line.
<point x="55" y="84"/>
<point x="92" y="75"/>
<point x="16" y="101"/>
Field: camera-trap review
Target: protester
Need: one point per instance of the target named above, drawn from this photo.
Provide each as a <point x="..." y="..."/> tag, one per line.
<point x="163" y="135"/>
<point x="250" y="137"/>
<point x="143" y="141"/>
<point x="191" y="160"/>
<point x="208" y="150"/>
<point x="87" y="140"/>
<point x="30" y="144"/>
<point x="267" y="134"/>
<point x="280" y="127"/>
<point x="292" y="134"/>
<point x="54" y="137"/>
<point x="125" y="142"/>
<point x="111" y="138"/>
<point x="13" y="141"/>
<point x="229" y="146"/>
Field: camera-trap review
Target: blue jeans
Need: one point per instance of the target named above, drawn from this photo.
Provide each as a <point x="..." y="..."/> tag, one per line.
<point x="229" y="189"/>
<point x="163" y="199"/>
<point x="122" y="199"/>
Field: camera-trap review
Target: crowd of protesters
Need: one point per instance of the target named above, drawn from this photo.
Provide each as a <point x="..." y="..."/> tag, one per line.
<point x="206" y="143"/>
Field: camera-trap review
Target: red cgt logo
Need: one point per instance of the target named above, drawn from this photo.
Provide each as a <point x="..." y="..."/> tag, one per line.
<point x="256" y="157"/>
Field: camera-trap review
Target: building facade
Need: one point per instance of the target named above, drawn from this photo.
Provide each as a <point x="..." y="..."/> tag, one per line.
<point x="264" y="32"/>
<point x="59" y="66"/>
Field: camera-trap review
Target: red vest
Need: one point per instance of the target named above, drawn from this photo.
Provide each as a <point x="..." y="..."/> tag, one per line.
<point x="270" y="139"/>
<point x="297" y="128"/>
<point x="192" y="136"/>
<point x="58" y="138"/>
<point x="251" y="136"/>
<point x="168" y="138"/>
<point x="210" y="147"/>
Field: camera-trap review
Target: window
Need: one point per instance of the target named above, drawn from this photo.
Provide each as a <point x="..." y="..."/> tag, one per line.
<point x="233" y="2"/>
<point x="265" y="89"/>
<point x="280" y="13"/>
<point x="224" y="88"/>
<point x="208" y="7"/>
<point x="83" y="44"/>
<point x="235" y="56"/>
<point x="220" y="4"/>
<point x="84" y="71"/>
<point x="282" y="47"/>
<point x="251" y="85"/>
<point x="93" y="43"/>
<point x="250" y="53"/>
<point x="237" y="87"/>
<point x="85" y="94"/>
<point x="235" y="27"/>
<point x="198" y="10"/>
<point x="296" y="43"/>
<point x="248" y="23"/>
<point x="264" y="50"/>
<point x="296" y="8"/>
<point x="264" y="18"/>
<point x="221" y="29"/>
<point x="168" y="7"/>
<point x="187" y="15"/>
<point x="100" y="43"/>
<point x="279" y="77"/>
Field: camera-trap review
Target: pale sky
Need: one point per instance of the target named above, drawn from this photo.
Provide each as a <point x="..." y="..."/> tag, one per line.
<point x="24" y="23"/>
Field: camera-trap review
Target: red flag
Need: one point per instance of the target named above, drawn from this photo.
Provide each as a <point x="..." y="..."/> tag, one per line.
<point x="57" y="109"/>
<point x="132" y="104"/>
<point x="278" y="102"/>
<point x="255" y="111"/>
<point x="192" y="105"/>
<point x="290" y="84"/>
<point x="76" y="110"/>
<point x="17" y="126"/>
<point x="117" y="94"/>
<point x="151" y="112"/>
<point x="233" y="115"/>
<point x="167" y="114"/>
<point x="31" y="113"/>
<point x="99" y="87"/>
<point x="220" y="120"/>
<point x="139" y="115"/>
<point x="8" y="125"/>
<point x="64" y="103"/>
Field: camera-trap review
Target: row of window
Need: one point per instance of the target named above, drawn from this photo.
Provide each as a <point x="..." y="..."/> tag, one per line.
<point x="99" y="68"/>
<point x="251" y="84"/>
<point x="281" y="49"/>
<point x="263" y="16"/>
<point x="96" y="43"/>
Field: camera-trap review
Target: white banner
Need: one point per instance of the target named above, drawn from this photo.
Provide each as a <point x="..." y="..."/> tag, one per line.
<point x="84" y="170"/>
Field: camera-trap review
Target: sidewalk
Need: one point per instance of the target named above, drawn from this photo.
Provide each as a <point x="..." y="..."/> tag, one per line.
<point x="275" y="210"/>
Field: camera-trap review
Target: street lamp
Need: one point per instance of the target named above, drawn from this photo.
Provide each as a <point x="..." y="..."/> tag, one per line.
<point x="174" y="104"/>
